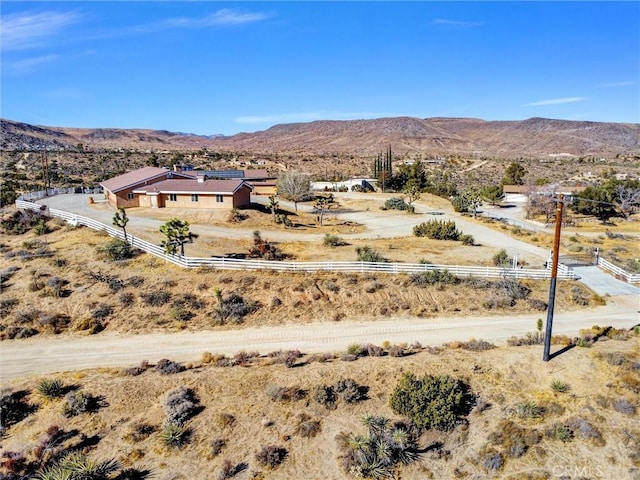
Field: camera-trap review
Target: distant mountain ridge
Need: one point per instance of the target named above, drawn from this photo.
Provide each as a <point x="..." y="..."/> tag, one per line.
<point x="433" y="136"/>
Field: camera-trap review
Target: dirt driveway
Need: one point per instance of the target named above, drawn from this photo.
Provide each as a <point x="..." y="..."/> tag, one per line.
<point x="39" y="356"/>
<point x="378" y="223"/>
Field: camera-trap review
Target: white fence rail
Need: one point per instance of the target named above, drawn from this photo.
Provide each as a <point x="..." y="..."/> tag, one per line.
<point x="32" y="196"/>
<point x="251" y="264"/>
<point x="618" y="272"/>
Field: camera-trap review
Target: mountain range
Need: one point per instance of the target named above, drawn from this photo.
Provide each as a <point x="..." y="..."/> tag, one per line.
<point x="534" y="137"/>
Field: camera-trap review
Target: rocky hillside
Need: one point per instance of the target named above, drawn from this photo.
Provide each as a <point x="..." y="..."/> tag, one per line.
<point x="432" y="136"/>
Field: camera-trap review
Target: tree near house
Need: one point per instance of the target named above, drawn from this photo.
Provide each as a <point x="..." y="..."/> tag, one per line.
<point x="493" y="194"/>
<point x="120" y="219"/>
<point x="273" y="206"/>
<point x="294" y="186"/>
<point x="514" y="174"/>
<point x="322" y="205"/>
<point x="413" y="192"/>
<point x="177" y="233"/>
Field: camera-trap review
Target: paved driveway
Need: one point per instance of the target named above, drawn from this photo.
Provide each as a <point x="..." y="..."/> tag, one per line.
<point x="604" y="284"/>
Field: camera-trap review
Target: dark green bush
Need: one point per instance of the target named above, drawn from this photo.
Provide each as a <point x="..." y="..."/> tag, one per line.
<point x="396" y="203"/>
<point x="438" y="230"/>
<point x="433" y="277"/>
<point x="117" y="249"/>
<point x="438" y="402"/>
<point x="233" y="308"/>
<point x="368" y="254"/>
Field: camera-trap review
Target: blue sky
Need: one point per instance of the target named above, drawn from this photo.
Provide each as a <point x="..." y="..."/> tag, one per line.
<point x="229" y="67"/>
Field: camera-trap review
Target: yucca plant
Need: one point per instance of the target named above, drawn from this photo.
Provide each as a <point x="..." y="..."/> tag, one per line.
<point x="560" y="387"/>
<point x="50" y="388"/>
<point x="77" y="466"/>
<point x="175" y="436"/>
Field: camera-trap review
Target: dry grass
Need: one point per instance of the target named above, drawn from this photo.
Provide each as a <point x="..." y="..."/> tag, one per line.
<point x="146" y="294"/>
<point x="503" y="378"/>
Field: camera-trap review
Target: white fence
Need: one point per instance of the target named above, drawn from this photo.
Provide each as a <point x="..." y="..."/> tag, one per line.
<point x="618" y="272"/>
<point x="32" y="196"/>
<point x="251" y="264"/>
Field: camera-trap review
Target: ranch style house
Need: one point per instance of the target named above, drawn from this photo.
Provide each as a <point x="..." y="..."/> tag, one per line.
<point x="157" y="187"/>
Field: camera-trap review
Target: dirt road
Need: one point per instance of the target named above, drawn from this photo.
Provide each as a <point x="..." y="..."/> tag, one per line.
<point x="39" y="356"/>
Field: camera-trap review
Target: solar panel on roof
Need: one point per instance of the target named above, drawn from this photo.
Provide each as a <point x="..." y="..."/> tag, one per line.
<point x="224" y="174"/>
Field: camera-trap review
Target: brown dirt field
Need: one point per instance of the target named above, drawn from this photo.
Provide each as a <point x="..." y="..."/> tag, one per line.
<point x="502" y="377"/>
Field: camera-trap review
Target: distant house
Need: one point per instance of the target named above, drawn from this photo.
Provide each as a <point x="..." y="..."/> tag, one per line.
<point x="162" y="188"/>
<point x="520" y="193"/>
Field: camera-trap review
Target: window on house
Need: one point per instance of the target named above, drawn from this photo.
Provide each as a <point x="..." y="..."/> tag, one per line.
<point x="130" y="196"/>
<point x="194" y="197"/>
<point x="219" y="198"/>
<point x="173" y="197"/>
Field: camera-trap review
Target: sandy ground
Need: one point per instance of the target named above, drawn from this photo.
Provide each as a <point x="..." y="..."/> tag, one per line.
<point x="33" y="356"/>
<point x="378" y="223"/>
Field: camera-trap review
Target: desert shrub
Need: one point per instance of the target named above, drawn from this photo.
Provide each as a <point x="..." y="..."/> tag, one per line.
<point x="175" y="436"/>
<point x="356" y="349"/>
<point x="374" y="350"/>
<point x="217" y="444"/>
<point x="560" y="387"/>
<point x="437" y="230"/>
<point x="264" y="249"/>
<point x="438" y="402"/>
<point x="230" y="470"/>
<point x="307" y="427"/>
<point x="287" y="358"/>
<point x="188" y="300"/>
<point x="225" y="420"/>
<point x="350" y="391"/>
<point x="54" y="287"/>
<point x="168" y="367"/>
<point x="501" y="259"/>
<point x="325" y="395"/>
<point x="467" y="239"/>
<point x="491" y="461"/>
<point x="19" y="222"/>
<point x="14" y="408"/>
<point x="396" y="351"/>
<point x="378" y="454"/>
<point x="157" y="298"/>
<point x="622" y="405"/>
<point x="530" y="338"/>
<point x="614" y="358"/>
<point x="7" y="305"/>
<point x="433" y="277"/>
<point x="101" y="311"/>
<point x="117" y="249"/>
<point x="180" y="405"/>
<point x="285" y="394"/>
<point x="514" y="439"/>
<point x="529" y="409"/>
<point x="51" y="388"/>
<point x="583" y="429"/>
<point x="233" y="308"/>
<point x="242" y="358"/>
<point x="583" y="342"/>
<point x="333" y="241"/>
<point x="579" y="296"/>
<point x="538" y="305"/>
<point x="477" y="345"/>
<point x="271" y="456"/>
<point x="396" y="203"/>
<point x="127" y="299"/>
<point x="135" y="281"/>
<point x="76" y="403"/>
<point x="368" y="254"/>
<point x="181" y="314"/>
<point x="561" y="432"/>
<point x="348" y="357"/>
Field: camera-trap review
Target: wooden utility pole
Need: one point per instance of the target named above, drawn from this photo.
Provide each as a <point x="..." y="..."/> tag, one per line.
<point x="554" y="277"/>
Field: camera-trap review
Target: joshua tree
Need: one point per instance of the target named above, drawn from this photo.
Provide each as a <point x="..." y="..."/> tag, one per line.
<point x="273" y="206"/>
<point x="120" y="219"/>
<point x="177" y="233"/>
